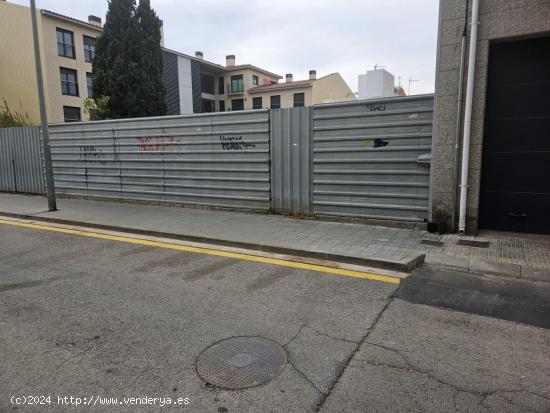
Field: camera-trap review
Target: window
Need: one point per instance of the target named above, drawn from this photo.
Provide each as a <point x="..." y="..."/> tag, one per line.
<point x="255" y="80"/>
<point x="222" y="105"/>
<point x="237" y="104"/>
<point x="90" y="85"/>
<point x="207" y="84"/>
<point x="276" y="102"/>
<point x="65" y="43"/>
<point x="69" y="84"/>
<point x="89" y="48"/>
<point x="221" y="86"/>
<point x="237" y="84"/>
<point x="257" y="103"/>
<point x="299" y="100"/>
<point x="207" y="106"/>
<point x="71" y="114"/>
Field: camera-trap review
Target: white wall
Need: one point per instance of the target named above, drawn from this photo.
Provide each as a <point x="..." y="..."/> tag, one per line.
<point x="185" y="85"/>
<point x="376" y="83"/>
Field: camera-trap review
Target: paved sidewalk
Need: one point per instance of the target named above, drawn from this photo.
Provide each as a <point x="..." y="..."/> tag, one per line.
<point x="504" y="254"/>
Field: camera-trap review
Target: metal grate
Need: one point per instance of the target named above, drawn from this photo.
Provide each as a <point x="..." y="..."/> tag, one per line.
<point x="241" y="362"/>
<point x="432" y="243"/>
<point x="473" y="243"/>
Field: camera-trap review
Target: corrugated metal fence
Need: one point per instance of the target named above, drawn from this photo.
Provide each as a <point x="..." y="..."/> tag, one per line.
<point x="20" y="160"/>
<point x="219" y="160"/>
<point x="369" y="158"/>
<point x="291" y="189"/>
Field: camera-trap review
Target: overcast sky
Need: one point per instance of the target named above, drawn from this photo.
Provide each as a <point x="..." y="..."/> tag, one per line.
<point x="294" y="36"/>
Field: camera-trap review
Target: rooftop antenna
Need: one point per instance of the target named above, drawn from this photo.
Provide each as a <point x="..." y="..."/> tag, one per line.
<point x="400" y="81"/>
<point x="378" y="66"/>
<point x="411" y="80"/>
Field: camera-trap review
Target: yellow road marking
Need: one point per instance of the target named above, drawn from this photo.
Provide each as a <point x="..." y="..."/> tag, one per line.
<point x="199" y="250"/>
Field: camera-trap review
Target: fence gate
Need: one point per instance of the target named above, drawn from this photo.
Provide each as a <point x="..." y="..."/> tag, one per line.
<point x="371" y="158"/>
<point x="20" y="160"/>
<point x="291" y="158"/>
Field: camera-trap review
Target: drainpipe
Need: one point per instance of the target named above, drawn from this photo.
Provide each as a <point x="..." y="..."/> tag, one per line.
<point x="459" y="102"/>
<point x="468" y="117"/>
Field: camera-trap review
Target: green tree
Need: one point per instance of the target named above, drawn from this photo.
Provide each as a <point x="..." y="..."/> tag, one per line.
<point x="97" y="108"/>
<point x="151" y="97"/>
<point x="127" y="67"/>
<point x="9" y="119"/>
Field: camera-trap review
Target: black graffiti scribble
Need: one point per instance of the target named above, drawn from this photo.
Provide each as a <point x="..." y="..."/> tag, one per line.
<point x="378" y="143"/>
<point x="376" y="107"/>
<point x="90" y="152"/>
<point x="234" y="143"/>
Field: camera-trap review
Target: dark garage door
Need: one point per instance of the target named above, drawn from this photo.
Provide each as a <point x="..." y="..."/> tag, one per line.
<point x="515" y="176"/>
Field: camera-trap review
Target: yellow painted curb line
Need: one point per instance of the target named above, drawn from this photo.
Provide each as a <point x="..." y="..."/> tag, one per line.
<point x="199" y="250"/>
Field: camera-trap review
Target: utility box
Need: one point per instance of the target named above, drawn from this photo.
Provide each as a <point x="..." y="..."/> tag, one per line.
<point x="377" y="83"/>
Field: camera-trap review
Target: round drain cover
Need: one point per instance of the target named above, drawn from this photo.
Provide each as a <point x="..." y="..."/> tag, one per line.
<point x="241" y="362"/>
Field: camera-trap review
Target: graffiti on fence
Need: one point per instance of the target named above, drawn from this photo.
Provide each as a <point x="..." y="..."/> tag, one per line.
<point x="156" y="143"/>
<point x="91" y="153"/>
<point x="235" y="143"/>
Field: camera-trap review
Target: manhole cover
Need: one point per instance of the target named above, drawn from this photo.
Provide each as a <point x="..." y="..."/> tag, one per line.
<point x="241" y="362"/>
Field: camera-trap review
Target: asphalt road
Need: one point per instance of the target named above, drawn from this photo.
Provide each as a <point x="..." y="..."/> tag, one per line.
<point x="87" y="317"/>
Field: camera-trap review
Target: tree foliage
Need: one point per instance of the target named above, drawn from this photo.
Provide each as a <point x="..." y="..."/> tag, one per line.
<point x="9" y="119"/>
<point x="151" y="98"/>
<point x="127" y="66"/>
<point x="97" y="109"/>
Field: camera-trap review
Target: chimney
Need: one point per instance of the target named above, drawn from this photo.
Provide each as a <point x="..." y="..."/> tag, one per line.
<point x="199" y="55"/>
<point x="94" y="20"/>
<point x="312" y="74"/>
<point x="289" y="77"/>
<point x="230" y="60"/>
<point x="161" y="33"/>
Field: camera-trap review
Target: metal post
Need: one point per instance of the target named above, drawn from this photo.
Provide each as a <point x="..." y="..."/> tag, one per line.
<point x="468" y="117"/>
<point x="50" y="189"/>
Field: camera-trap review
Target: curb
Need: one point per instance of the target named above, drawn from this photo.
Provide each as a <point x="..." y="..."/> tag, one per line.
<point x="405" y="264"/>
<point x="475" y="266"/>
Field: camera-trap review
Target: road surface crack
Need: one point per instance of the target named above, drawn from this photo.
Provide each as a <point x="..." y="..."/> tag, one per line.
<point x="358" y="345"/>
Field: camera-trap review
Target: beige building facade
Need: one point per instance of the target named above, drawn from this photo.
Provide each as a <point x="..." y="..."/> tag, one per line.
<point x="196" y="85"/>
<point x="269" y="93"/>
<point x="67" y="46"/>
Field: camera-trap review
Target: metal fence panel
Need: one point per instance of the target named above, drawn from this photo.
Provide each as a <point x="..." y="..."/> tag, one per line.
<point x="291" y="160"/>
<point x="20" y="160"/>
<point x="368" y="158"/>
<point x="219" y="159"/>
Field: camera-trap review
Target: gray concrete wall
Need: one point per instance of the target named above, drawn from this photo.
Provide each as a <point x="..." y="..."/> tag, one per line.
<point x="499" y="20"/>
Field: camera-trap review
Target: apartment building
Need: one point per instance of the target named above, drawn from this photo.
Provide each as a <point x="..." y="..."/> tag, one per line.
<point x="192" y="84"/>
<point x="195" y="85"/>
<point x="67" y="48"/>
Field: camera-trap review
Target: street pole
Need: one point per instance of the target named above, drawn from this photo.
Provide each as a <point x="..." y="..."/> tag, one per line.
<point x="50" y="189"/>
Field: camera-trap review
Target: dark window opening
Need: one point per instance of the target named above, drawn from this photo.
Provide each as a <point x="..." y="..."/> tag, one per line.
<point x="90" y="85"/>
<point x="207" y="84"/>
<point x="89" y="48"/>
<point x="257" y="103"/>
<point x="255" y="80"/>
<point x="65" y="43"/>
<point x="237" y="84"/>
<point x="221" y="86"/>
<point x="222" y="105"/>
<point x="237" y="104"/>
<point x="207" y="106"/>
<point x="71" y="114"/>
<point x="69" y="83"/>
<point x="299" y="100"/>
<point x="275" y="102"/>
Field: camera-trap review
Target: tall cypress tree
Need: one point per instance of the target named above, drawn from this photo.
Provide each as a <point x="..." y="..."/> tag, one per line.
<point x="151" y="99"/>
<point x="127" y="66"/>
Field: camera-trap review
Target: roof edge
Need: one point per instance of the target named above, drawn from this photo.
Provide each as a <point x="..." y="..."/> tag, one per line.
<point x="70" y="19"/>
